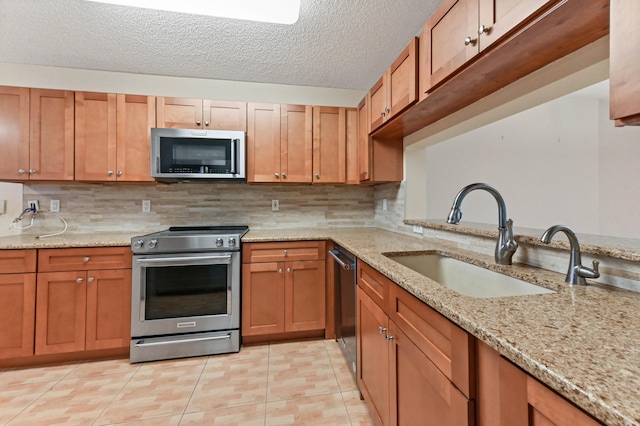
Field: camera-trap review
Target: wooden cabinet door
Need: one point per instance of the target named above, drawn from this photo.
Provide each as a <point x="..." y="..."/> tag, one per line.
<point x="624" y="62"/>
<point x="499" y="17"/>
<point x="136" y="115"/>
<point x="14" y="137"/>
<point x="263" y="142"/>
<point x="296" y="143"/>
<point x="17" y="314"/>
<point x="364" y="151"/>
<point x="402" y="87"/>
<point x="179" y="113"/>
<point x="546" y="408"/>
<point x="377" y="100"/>
<point x="60" y="312"/>
<point x="353" y="166"/>
<point x="304" y="295"/>
<point x="373" y="356"/>
<point x="224" y="115"/>
<point x="329" y="145"/>
<point x="108" y="321"/>
<point x="95" y="147"/>
<point x="443" y="41"/>
<point x="262" y="298"/>
<point x="420" y="393"/>
<point x="51" y="135"/>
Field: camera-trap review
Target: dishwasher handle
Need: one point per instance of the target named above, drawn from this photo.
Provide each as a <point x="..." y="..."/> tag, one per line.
<point x="350" y="264"/>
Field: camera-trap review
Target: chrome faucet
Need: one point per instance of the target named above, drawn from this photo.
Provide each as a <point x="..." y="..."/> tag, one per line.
<point x="506" y="245"/>
<point x="576" y="273"/>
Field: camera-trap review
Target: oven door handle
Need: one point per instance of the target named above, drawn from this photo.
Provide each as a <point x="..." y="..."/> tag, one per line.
<point x="142" y="343"/>
<point x="185" y="261"/>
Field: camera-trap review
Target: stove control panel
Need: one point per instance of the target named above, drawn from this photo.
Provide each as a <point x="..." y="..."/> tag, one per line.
<point x="168" y="242"/>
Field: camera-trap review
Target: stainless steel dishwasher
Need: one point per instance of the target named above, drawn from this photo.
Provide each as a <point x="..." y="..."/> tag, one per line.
<point x="345" y="290"/>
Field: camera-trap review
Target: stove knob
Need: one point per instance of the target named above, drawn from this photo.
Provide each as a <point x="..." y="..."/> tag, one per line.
<point x="138" y="244"/>
<point x="232" y="242"/>
<point x="219" y="242"/>
<point x="152" y="244"/>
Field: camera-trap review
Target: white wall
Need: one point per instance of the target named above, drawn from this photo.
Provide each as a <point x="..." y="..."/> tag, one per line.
<point x="562" y="162"/>
<point x="11" y="193"/>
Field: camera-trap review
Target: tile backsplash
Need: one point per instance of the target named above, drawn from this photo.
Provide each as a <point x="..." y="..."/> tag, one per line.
<point x="118" y="207"/>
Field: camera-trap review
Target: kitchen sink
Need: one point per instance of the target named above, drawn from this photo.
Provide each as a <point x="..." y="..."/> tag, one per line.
<point x="466" y="278"/>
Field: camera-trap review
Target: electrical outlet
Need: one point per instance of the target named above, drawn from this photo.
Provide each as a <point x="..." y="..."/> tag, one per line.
<point x="275" y="205"/>
<point x="385" y="204"/>
<point x="146" y="206"/>
<point x="33" y="205"/>
<point x="417" y="229"/>
<point x="54" y="206"/>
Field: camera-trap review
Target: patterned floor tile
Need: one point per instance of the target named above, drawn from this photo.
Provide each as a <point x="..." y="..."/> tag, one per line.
<point x="300" y="375"/>
<point x="291" y="348"/>
<point x="15" y="398"/>
<point x="357" y="409"/>
<point x="228" y="383"/>
<point x="73" y="401"/>
<point x="246" y="415"/>
<point x="342" y="371"/>
<point x="34" y="374"/>
<point x="95" y="368"/>
<point x="155" y="421"/>
<point x="246" y="352"/>
<point x="316" y="410"/>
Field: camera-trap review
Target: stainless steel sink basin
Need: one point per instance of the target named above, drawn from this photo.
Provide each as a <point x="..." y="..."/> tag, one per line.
<point x="466" y="278"/>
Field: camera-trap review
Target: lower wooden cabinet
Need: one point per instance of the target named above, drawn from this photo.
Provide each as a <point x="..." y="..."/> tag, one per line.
<point x="283" y="288"/>
<point x="507" y="396"/>
<point x="17" y="302"/>
<point x="414" y="366"/>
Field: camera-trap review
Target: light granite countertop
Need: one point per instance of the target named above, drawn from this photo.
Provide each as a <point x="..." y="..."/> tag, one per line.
<point x="584" y="342"/>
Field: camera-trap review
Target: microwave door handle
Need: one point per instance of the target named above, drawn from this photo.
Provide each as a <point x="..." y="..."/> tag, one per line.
<point x="186" y="261"/>
<point x="233" y="156"/>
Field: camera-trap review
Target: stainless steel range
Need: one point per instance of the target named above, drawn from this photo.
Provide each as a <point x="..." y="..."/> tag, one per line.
<point x="186" y="292"/>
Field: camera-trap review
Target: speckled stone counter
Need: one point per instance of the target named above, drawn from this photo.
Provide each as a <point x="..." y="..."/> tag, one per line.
<point x="584" y="342"/>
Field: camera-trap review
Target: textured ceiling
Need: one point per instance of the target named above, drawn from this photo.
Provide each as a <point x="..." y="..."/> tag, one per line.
<point x="335" y="43"/>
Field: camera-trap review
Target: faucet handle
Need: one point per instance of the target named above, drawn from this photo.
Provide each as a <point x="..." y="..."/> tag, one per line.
<point x="596" y="266"/>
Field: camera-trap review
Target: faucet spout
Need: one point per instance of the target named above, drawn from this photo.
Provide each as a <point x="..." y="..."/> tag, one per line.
<point x="506" y="245"/>
<point x="576" y="273"/>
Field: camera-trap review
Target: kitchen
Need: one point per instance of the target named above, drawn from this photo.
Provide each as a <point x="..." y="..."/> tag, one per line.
<point x="88" y="206"/>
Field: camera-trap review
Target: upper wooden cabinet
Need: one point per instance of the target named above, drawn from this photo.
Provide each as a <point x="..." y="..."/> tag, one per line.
<point x="352" y="135"/>
<point x="37" y="137"/>
<point x="296" y="143"/>
<point x="460" y="29"/>
<point x="187" y="113"/>
<point x="624" y="39"/>
<point x="113" y="136"/>
<point x="396" y="89"/>
<point x="263" y="143"/>
<point x="329" y="145"/>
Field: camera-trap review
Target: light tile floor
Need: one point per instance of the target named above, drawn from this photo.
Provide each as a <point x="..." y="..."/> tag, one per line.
<point x="300" y="383"/>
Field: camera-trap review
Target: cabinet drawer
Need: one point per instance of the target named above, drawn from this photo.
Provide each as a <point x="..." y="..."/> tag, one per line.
<point x="374" y="284"/>
<point x="283" y="251"/>
<point x="449" y="347"/>
<point x="82" y="259"/>
<point x="17" y="261"/>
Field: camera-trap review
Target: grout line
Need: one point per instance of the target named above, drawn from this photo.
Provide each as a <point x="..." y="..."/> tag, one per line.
<point x="124" y="385"/>
<point x="184" y="411"/>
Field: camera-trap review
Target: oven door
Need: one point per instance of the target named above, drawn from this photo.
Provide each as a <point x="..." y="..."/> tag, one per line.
<point x="185" y="293"/>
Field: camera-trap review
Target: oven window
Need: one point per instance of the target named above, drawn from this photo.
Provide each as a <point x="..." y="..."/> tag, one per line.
<point x="185" y="291"/>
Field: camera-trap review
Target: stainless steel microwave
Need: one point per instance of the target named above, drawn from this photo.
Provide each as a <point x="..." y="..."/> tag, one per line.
<point x="179" y="154"/>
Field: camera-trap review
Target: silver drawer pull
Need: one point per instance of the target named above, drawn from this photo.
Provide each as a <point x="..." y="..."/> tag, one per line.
<point x="85" y="259"/>
<point x="142" y="344"/>
<point x="79" y="280"/>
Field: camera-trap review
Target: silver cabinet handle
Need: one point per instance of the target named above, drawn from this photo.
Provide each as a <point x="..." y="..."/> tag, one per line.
<point x="109" y="172"/>
<point x="389" y="337"/>
<point x="277" y="175"/>
<point x="317" y="175"/>
<point x="284" y="175"/>
<point x="381" y="329"/>
<point x="288" y="269"/>
<point x="22" y="171"/>
<point x="119" y="173"/>
<point x="79" y="280"/>
<point x="483" y="30"/>
<point x="32" y="171"/>
<point x="470" y="41"/>
<point x="280" y="270"/>
<point x="206" y="123"/>
<point x="90" y="280"/>
<point x="285" y="252"/>
<point x="197" y="122"/>
<point x="85" y="259"/>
